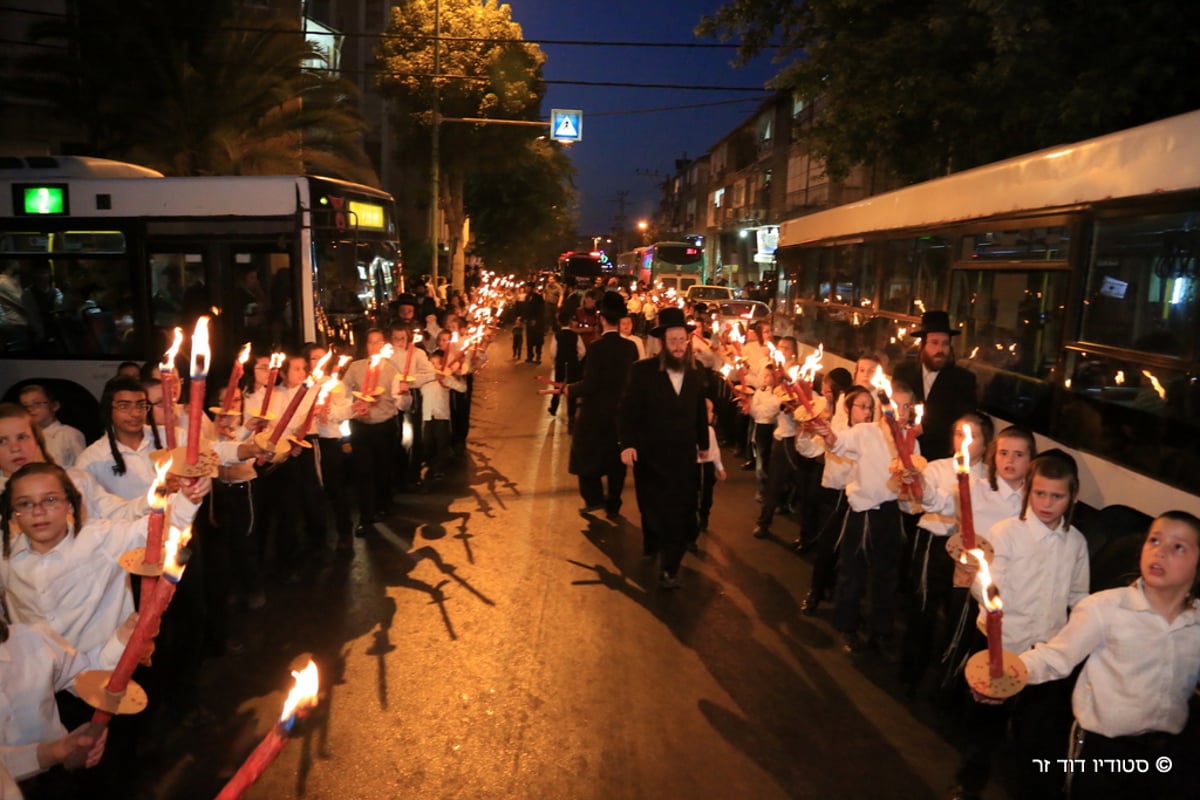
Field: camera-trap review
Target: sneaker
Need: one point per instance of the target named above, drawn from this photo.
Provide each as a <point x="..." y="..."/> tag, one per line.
<point x="668" y="581"/>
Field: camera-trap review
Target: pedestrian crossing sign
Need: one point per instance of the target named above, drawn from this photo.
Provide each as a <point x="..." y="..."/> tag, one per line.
<point x="566" y="124"/>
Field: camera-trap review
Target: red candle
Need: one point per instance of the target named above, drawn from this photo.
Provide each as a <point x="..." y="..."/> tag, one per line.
<point x="288" y="413"/>
<point x="995" y="638"/>
<point x="201" y="356"/>
<point x="149" y="617"/>
<point x="168" y="402"/>
<point x="152" y="555"/>
<point x="235" y="375"/>
<point x="275" y="363"/>
<point x="412" y="348"/>
<point x="166" y="372"/>
<point x="301" y="699"/>
<point x="962" y="468"/>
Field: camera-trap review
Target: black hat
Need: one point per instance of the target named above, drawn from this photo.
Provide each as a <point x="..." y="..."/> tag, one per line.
<point x="671" y="317"/>
<point x="406" y="300"/>
<point x="612" y="307"/>
<point x="935" y="322"/>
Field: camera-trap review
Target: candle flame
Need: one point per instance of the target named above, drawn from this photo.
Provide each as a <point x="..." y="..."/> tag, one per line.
<point x="963" y="462"/>
<point x="726" y="370"/>
<point x="812" y="364"/>
<point x="156" y="497"/>
<point x="244" y="355"/>
<point x="176" y="541"/>
<point x="988" y="590"/>
<point x="168" y="362"/>
<point x="319" y="370"/>
<point x="735" y="334"/>
<point x="1119" y="378"/>
<point x="880" y="383"/>
<point x="303" y="695"/>
<point x="1158" y="387"/>
<point x="974" y="353"/>
<point x="200" y="351"/>
<point x="276" y="361"/>
<point x="918" y="413"/>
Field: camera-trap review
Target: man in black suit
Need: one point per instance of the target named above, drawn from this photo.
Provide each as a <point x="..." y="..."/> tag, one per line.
<point x="595" y="454"/>
<point x="663" y="427"/>
<point x="947" y="390"/>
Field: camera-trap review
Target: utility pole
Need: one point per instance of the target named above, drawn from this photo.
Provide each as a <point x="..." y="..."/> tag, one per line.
<point x="434" y="162"/>
<point x="620" y="220"/>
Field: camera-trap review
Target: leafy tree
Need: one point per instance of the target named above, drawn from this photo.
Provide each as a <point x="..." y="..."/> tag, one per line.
<point x="489" y="71"/>
<point x="930" y="86"/>
<point x="189" y="90"/>
<point x="523" y="216"/>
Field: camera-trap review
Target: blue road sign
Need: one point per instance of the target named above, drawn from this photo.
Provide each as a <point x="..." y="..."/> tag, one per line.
<point x="566" y="124"/>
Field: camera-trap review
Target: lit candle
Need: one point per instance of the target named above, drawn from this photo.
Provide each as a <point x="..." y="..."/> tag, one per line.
<point x="149" y="617"/>
<point x="995" y="613"/>
<point x="201" y="356"/>
<point x="300" y="700"/>
<point x="274" y="364"/>
<point x="412" y="348"/>
<point x="166" y="372"/>
<point x="883" y="389"/>
<point x="317" y="376"/>
<point x="288" y="413"/>
<point x="157" y="499"/>
<point x="234" y="376"/>
<point x="962" y="469"/>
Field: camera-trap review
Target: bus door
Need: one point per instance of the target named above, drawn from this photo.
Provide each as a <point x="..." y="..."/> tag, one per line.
<point x="251" y="286"/>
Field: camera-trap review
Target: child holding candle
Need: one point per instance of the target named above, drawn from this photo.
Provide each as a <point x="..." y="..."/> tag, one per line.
<point x="872" y="537"/>
<point x="1041" y="570"/>
<point x="933" y="568"/>
<point x="1142" y="649"/>
<point x="327" y="444"/>
<point x="373" y="435"/>
<point x="711" y="471"/>
<point x="436" y="417"/>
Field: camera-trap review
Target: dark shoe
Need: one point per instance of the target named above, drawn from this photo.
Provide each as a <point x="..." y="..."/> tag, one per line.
<point x="362" y="530"/>
<point x="748" y="465"/>
<point x="588" y="509"/>
<point x="761" y="533"/>
<point x="810" y="604"/>
<point x="851" y="643"/>
<point x="801" y="546"/>
<point x="668" y="581"/>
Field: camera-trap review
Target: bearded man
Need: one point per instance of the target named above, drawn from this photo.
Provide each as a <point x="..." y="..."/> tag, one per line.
<point x="663" y="428"/>
<point x="947" y="390"/>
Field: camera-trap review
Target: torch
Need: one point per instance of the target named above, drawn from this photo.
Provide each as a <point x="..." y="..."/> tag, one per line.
<point x="201" y="357"/>
<point x="235" y="375"/>
<point x="883" y="388"/>
<point x="273" y="365"/>
<point x="994" y="672"/>
<point x="300" y="701"/>
<point x="965" y="540"/>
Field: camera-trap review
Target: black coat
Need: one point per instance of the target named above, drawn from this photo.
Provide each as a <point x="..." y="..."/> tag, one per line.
<point x="594" y="443"/>
<point x="667" y="430"/>
<point x="954" y="393"/>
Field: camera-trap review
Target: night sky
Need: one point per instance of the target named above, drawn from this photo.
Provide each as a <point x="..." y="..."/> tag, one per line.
<point x="614" y="147"/>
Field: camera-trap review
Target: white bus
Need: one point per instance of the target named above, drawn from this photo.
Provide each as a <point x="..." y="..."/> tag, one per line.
<point x="1072" y="274"/>
<point x="101" y="259"/>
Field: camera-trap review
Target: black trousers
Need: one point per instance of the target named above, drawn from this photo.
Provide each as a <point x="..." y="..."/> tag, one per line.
<point x="333" y="476"/>
<point x="832" y="508"/>
<point x="233" y="550"/>
<point x="303" y="508"/>
<point x="762" y="438"/>
<point x="374" y="459"/>
<point x="932" y="606"/>
<point x="667" y="506"/>
<point x="592" y="486"/>
<point x="708" y="480"/>
<point x="871" y="545"/>
<point x="460" y="414"/>
<point x="782" y="470"/>
<point x="437" y="444"/>
<point x="1105" y="781"/>
<point x="565" y="371"/>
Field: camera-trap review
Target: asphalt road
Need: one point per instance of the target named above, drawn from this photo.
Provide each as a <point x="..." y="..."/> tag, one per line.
<point x="492" y="642"/>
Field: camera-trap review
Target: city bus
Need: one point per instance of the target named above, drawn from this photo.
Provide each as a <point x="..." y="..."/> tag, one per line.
<point x="109" y="257"/>
<point x="578" y="268"/>
<point x="1072" y="275"/>
<point x="675" y="265"/>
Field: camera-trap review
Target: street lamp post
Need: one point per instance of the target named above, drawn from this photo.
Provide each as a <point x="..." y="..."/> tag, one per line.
<point x="434" y="162"/>
<point x="643" y="226"/>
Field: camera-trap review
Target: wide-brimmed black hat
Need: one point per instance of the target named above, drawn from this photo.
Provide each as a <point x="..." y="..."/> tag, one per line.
<point x="612" y="307"/>
<point x="671" y="317"/>
<point x="406" y="300"/>
<point x="935" y="322"/>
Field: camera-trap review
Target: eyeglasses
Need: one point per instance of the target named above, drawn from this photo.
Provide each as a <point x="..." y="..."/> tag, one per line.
<point x="47" y="504"/>
<point x="132" y="405"/>
<point x="864" y="406"/>
<point x="30" y="406"/>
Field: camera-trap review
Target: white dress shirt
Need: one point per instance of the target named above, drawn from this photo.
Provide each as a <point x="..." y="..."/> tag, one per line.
<point x="79" y="589"/>
<point x="764" y="406"/>
<point x="97" y="460"/>
<point x="1040" y="573"/>
<point x="1141" y="670"/>
<point x="940" y="497"/>
<point x="992" y="506"/>
<point x="8" y="787"/>
<point x="713" y="454"/>
<point x="63" y="443"/>
<point x="98" y="503"/>
<point x="435" y="397"/>
<point x="35" y="663"/>
<point x="871" y="452"/>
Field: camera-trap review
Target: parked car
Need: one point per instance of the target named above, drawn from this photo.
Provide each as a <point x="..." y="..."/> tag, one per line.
<point x="746" y="312"/>
<point x="707" y="294"/>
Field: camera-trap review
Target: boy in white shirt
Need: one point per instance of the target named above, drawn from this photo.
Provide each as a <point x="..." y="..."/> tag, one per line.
<point x="435" y="413"/>
<point x="63" y="443"/>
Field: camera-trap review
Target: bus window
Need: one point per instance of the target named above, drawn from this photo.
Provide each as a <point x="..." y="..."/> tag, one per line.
<point x="1141" y="286"/>
<point x="1144" y="415"/>
<point x="1012" y="332"/>
<point x="854" y="274"/>
<point x="915" y="274"/>
<point x="1022" y="244"/>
